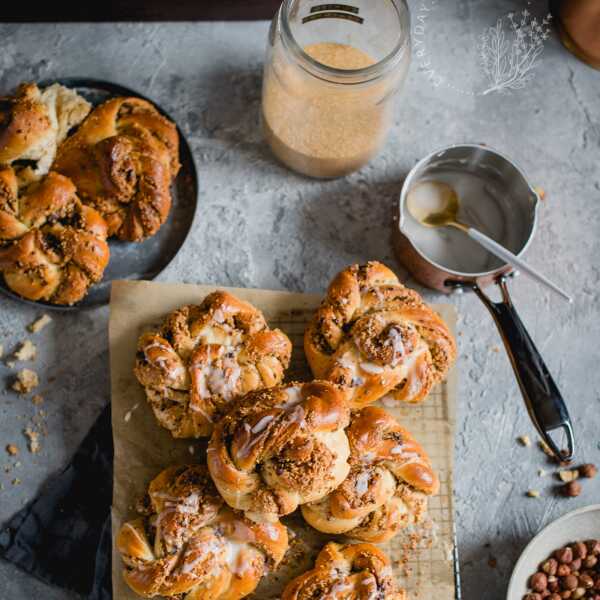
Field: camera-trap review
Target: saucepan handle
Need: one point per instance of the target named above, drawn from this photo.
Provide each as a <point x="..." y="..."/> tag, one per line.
<point x="544" y="401"/>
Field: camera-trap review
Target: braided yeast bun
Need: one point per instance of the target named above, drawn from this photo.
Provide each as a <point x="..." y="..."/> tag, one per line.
<point x="376" y="337"/>
<point x="352" y="571"/>
<point x="24" y="124"/>
<point x="51" y="246"/>
<point x="32" y="124"/>
<point x="203" y="357"/>
<point x="189" y="545"/>
<point x="122" y="160"/>
<point x="281" y="447"/>
<point x="388" y="484"/>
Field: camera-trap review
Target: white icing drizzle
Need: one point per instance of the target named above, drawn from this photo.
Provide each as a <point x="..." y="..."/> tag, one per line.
<point x="395" y="340"/>
<point x="362" y="483"/>
<point x="262" y="424"/>
<point x="371" y="368"/>
<point x="294" y="396"/>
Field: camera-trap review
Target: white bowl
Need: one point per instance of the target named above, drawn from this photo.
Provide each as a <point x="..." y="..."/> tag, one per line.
<point x="579" y="525"/>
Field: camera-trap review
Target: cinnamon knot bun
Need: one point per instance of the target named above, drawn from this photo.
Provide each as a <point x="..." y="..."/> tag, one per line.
<point x="281" y="447"/>
<point x="388" y="484"/>
<point x="377" y="337"/>
<point x="357" y="571"/>
<point x="52" y="247"/>
<point x="203" y="357"/>
<point x="189" y="546"/>
<point x="32" y="125"/>
<point x="122" y="159"/>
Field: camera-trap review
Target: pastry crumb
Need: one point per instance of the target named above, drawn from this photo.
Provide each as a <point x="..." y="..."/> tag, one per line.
<point x="39" y="323"/>
<point x="128" y="414"/>
<point x="34" y="440"/>
<point x="524" y="440"/>
<point x="12" y="449"/>
<point x="26" y="351"/>
<point x="533" y="493"/>
<point x="10" y="364"/>
<point x="26" y="381"/>
<point x="16" y="481"/>
<point x="542" y="472"/>
<point x="37" y="399"/>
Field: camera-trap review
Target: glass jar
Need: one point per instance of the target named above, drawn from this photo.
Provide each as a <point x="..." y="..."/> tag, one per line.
<point x="330" y="77"/>
<point x="579" y="28"/>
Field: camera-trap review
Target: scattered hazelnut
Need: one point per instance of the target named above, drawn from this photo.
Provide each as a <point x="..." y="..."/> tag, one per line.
<point x="563" y="570"/>
<point x="554" y="596"/>
<point x="579" y="550"/>
<point x="549" y="567"/>
<point x="585" y="581"/>
<point x="593" y="547"/>
<point x="575" y="565"/>
<point x="588" y="470"/>
<point x="590" y="561"/>
<point x="538" y="582"/>
<point x="571" y="489"/>
<point x="564" y="555"/>
<point x="533" y="596"/>
<point x="578" y="593"/>
<point x="570" y="582"/>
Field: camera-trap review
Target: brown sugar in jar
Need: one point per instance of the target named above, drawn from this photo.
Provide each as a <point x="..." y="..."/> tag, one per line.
<point x="327" y="106"/>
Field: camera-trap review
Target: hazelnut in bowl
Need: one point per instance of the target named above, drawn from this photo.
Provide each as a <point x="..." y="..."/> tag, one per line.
<point x="562" y="561"/>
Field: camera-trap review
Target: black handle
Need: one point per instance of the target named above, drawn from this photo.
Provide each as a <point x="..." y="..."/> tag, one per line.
<point x="544" y="401"/>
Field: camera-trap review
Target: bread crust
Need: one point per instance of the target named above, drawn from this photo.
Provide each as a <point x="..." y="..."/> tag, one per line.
<point x="122" y="159"/>
<point x="346" y="571"/>
<point x="377" y="337"/>
<point x="188" y="544"/>
<point x="24" y="123"/>
<point x="203" y="357"/>
<point x="388" y="484"/>
<point x="281" y="447"/>
<point x="52" y="247"/>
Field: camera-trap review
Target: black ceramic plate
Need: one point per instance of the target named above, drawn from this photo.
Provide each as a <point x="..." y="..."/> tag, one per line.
<point x="136" y="260"/>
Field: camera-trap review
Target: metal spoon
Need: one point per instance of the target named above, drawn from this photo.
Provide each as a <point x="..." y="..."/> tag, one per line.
<point x="441" y="210"/>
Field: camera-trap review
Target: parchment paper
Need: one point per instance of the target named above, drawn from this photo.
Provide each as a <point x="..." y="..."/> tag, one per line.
<point x="143" y="449"/>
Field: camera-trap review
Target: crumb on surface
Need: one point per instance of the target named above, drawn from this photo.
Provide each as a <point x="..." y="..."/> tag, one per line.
<point x="533" y="493"/>
<point x="12" y="449"/>
<point x="37" y="399"/>
<point x="1" y="350"/>
<point x="16" y="481"/>
<point x="26" y="351"/>
<point x="39" y="323"/>
<point x="542" y="472"/>
<point x="524" y="440"/>
<point x="34" y="440"/>
<point x="26" y="381"/>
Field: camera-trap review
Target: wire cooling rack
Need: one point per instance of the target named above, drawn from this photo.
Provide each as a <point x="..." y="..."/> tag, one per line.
<point x="425" y="560"/>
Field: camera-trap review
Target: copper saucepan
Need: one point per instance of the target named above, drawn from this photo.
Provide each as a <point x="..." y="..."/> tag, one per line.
<point x="507" y="207"/>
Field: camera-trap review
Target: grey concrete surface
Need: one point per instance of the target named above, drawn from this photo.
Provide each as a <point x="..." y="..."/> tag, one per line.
<point x="260" y="225"/>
